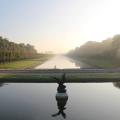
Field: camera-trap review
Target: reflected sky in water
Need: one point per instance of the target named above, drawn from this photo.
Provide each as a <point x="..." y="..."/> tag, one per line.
<point x="60" y="62"/>
<point x="36" y="101"/>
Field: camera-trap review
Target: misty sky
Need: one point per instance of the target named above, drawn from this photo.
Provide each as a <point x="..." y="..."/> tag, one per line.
<point x="59" y="25"/>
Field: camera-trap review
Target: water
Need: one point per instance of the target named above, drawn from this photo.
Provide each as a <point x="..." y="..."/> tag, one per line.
<point x="33" y="101"/>
<point x="61" y="62"/>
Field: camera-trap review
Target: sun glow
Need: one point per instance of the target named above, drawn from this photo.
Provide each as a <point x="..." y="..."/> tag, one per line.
<point x="59" y="26"/>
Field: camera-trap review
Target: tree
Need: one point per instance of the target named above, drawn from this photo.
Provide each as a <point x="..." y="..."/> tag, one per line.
<point x="10" y="51"/>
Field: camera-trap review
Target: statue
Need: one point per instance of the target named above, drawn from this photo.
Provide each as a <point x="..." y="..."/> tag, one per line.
<point x="61" y="97"/>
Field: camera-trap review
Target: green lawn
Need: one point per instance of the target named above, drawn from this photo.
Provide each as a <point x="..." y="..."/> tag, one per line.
<point x="74" y="77"/>
<point x="100" y="63"/>
<point x="24" y="64"/>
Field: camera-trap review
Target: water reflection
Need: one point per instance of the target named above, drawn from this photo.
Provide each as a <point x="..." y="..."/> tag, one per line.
<point x="116" y="84"/>
<point x="2" y="84"/>
<point x="80" y="64"/>
<point x="61" y="98"/>
<point x="59" y="61"/>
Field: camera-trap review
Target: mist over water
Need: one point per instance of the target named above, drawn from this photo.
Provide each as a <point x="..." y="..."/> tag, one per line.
<point x="59" y="61"/>
<point x="62" y="62"/>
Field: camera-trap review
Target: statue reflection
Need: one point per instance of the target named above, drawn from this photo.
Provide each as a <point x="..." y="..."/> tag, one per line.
<point x="61" y="97"/>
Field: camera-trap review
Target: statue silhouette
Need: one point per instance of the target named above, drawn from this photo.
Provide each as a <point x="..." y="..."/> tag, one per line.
<point x="61" y="97"/>
<point x="61" y="107"/>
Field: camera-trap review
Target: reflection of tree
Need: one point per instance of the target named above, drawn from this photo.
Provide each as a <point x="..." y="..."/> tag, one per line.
<point x="116" y="84"/>
<point x="61" y="97"/>
<point x="1" y="84"/>
<point x="77" y="63"/>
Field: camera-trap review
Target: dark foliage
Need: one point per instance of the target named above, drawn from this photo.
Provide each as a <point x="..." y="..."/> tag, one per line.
<point x="10" y="51"/>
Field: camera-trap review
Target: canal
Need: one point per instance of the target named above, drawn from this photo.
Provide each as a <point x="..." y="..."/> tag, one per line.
<point x="61" y="62"/>
<point x="36" y="101"/>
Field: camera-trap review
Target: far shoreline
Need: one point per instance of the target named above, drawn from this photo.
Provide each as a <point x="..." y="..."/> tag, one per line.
<point x="25" y="63"/>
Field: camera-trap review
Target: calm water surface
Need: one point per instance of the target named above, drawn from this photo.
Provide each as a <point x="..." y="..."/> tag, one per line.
<point x="60" y="61"/>
<point x="36" y="101"/>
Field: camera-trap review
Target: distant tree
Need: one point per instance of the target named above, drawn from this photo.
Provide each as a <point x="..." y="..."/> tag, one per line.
<point x="107" y="49"/>
<point x="10" y="51"/>
<point x="116" y="46"/>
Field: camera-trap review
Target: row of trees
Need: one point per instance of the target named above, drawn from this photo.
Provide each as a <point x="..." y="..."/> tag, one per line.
<point x="10" y="51"/>
<point x="107" y="49"/>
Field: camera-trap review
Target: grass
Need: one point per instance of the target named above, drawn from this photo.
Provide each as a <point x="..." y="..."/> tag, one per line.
<point x="46" y="78"/>
<point x="25" y="78"/>
<point x="94" y="77"/>
<point x="24" y="64"/>
<point x="101" y="63"/>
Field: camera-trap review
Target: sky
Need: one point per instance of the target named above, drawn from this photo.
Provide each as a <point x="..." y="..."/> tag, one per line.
<point x="59" y="25"/>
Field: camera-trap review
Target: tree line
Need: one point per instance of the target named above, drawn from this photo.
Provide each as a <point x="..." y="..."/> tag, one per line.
<point x="10" y="51"/>
<point x="107" y="49"/>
